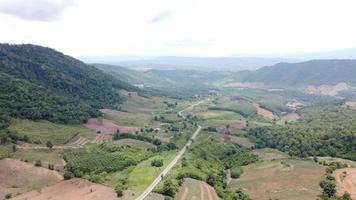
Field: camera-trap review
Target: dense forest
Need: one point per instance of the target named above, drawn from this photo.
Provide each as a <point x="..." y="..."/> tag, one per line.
<point x="41" y="83"/>
<point x="315" y="72"/>
<point x="323" y="130"/>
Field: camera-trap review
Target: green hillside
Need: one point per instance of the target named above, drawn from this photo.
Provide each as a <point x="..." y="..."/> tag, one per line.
<point x="315" y="72"/>
<point x="41" y="83"/>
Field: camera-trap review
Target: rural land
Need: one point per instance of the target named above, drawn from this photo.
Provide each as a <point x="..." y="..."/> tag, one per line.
<point x="71" y="130"/>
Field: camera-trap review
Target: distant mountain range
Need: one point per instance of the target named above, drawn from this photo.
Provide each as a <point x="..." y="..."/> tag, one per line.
<point x="315" y="72"/>
<point x="231" y="63"/>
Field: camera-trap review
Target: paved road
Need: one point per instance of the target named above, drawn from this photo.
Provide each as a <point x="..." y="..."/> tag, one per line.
<point x="174" y="161"/>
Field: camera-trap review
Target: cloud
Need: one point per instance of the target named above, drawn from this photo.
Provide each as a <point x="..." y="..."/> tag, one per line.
<point x="38" y="10"/>
<point x="162" y="16"/>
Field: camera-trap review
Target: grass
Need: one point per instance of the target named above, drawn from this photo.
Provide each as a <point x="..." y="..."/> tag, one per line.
<point x="44" y="131"/>
<point x="144" y="174"/>
<point x="46" y="156"/>
<point x="5" y="151"/>
<point x="268" y="154"/>
<point x="281" y="179"/>
<point x="242" y="141"/>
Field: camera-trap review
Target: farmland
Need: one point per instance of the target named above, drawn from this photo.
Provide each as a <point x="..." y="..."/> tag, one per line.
<point x="194" y="189"/>
<point x="44" y="131"/>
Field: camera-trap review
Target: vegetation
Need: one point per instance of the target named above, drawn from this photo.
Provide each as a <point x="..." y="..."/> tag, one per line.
<point x="41" y="83"/>
<point x="157" y="162"/>
<point x="324" y="130"/>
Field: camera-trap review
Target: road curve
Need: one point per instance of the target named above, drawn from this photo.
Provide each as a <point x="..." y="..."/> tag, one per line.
<point x="174" y="161"/>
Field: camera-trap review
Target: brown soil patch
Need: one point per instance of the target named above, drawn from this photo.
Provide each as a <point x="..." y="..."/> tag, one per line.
<point x="346" y="181"/>
<point x="107" y="126"/>
<point x="185" y="193"/>
<point x="263" y="112"/>
<point x="128" y="94"/>
<point x="102" y="138"/>
<point x="237" y="125"/>
<point x="75" y="189"/>
<point x="201" y="191"/>
<point x="18" y="177"/>
<point x="208" y="190"/>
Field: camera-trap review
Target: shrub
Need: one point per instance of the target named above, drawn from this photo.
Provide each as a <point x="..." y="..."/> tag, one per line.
<point x="119" y="190"/>
<point x="67" y="175"/>
<point x="157" y="162"/>
<point x="50" y="167"/>
<point x="236" y="172"/>
<point x="38" y="163"/>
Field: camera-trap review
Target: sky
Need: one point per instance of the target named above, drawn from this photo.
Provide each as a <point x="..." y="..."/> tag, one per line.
<point x="180" y="27"/>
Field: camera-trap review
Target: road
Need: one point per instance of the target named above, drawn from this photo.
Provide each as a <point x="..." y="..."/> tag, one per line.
<point x="174" y="161"/>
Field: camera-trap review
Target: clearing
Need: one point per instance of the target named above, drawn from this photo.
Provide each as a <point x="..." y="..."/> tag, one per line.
<point x="346" y="181"/>
<point x="134" y="143"/>
<point x="281" y="179"/>
<point x="198" y="190"/>
<point x="107" y="126"/>
<point x="18" y="177"/>
<point x="74" y="189"/>
<point x="263" y="112"/>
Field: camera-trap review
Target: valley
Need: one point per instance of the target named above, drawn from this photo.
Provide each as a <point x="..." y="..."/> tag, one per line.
<point x="81" y="132"/>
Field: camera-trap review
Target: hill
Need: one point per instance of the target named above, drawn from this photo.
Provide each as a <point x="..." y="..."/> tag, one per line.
<point x="315" y="72"/>
<point x="41" y="83"/>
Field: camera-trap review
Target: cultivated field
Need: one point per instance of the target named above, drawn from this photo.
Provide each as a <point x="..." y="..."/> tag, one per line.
<point x="196" y="190"/>
<point x="44" y="131"/>
<point x="263" y="112"/>
<point x="134" y="143"/>
<point x="107" y="126"/>
<point x="74" y="189"/>
<point x="17" y="177"/>
<point x="46" y="156"/>
<point x="281" y="179"/>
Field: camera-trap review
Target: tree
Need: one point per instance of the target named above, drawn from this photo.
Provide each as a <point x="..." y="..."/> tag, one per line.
<point x="119" y="190"/>
<point x="49" y="144"/>
<point x="329" y="187"/>
<point x="169" y="188"/>
<point x="157" y="162"/>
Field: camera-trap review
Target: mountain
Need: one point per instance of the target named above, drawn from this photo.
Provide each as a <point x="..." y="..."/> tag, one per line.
<point x="194" y="63"/>
<point x="314" y="72"/>
<point x="41" y="83"/>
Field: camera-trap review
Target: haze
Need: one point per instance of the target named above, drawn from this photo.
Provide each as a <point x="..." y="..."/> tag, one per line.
<point x="179" y="27"/>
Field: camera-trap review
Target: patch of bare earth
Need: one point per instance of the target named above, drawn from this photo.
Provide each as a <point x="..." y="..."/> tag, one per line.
<point x="18" y="177"/>
<point x="292" y="117"/>
<point x="346" y="181"/>
<point x="263" y="112"/>
<point x="107" y="126"/>
<point x="237" y="125"/>
<point x="330" y="90"/>
<point x="74" y="189"/>
<point x="228" y="176"/>
<point x="185" y="193"/>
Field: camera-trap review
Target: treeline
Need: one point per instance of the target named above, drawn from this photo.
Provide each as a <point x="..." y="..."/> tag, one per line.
<point x="324" y="130"/>
<point x="41" y="83"/>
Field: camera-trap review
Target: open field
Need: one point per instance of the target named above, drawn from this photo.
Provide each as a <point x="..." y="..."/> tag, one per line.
<point x="196" y="190"/>
<point x="44" y="131"/>
<point x="74" y="189"/>
<point x="268" y="154"/>
<point x="143" y="175"/>
<point x="46" y="156"/>
<point x="106" y="126"/>
<point x="346" y="181"/>
<point x="134" y="143"/>
<point x="334" y="159"/>
<point x="290" y="117"/>
<point x="281" y="179"/>
<point x="18" y="177"/>
<point x="241" y="141"/>
<point x="5" y="151"/>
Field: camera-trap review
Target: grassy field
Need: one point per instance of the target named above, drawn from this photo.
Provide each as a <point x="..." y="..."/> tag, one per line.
<point x="134" y="143"/>
<point x="46" y="156"/>
<point x="143" y="175"/>
<point x="44" y="131"/>
<point x="5" y="151"/>
<point x="241" y="141"/>
<point x="194" y="189"/>
<point x="278" y="176"/>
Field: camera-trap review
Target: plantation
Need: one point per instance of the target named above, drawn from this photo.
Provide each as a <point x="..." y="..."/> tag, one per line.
<point x="99" y="159"/>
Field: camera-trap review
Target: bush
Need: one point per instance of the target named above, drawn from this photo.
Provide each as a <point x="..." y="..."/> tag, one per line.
<point x="329" y="187"/>
<point x="50" y="167"/>
<point x="157" y="162"/>
<point x="236" y="172"/>
<point x="8" y="196"/>
<point x="38" y="163"/>
<point x="119" y="190"/>
<point x="67" y="175"/>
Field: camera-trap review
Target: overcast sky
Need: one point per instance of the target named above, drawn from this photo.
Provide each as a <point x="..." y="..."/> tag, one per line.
<point x="180" y="27"/>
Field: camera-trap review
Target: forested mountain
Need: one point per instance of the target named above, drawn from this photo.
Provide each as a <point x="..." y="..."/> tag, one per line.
<point x="41" y="83"/>
<point x="315" y="72"/>
<point x="172" y="83"/>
